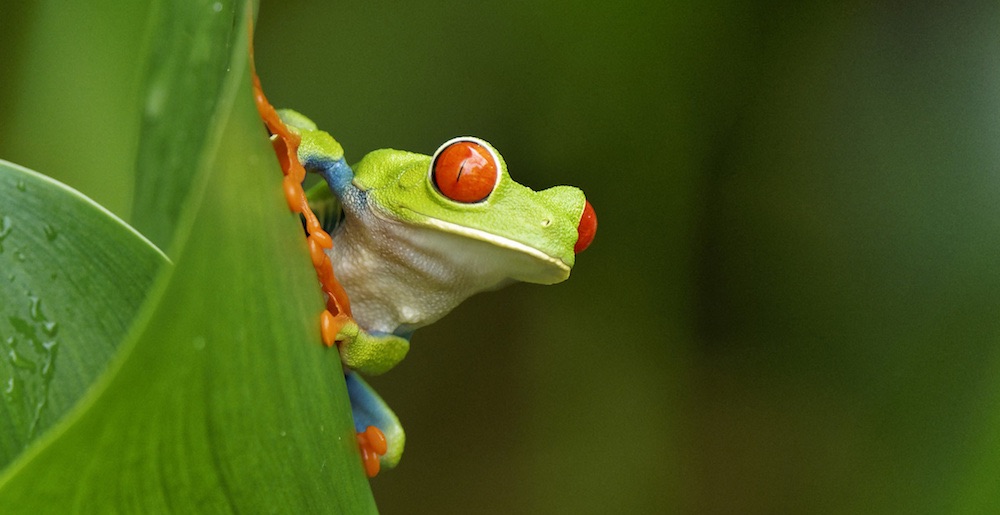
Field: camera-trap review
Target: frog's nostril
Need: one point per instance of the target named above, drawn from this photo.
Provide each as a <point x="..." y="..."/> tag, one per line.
<point x="586" y="229"/>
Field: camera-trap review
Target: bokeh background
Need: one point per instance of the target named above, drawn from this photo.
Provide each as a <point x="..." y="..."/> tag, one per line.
<point x="792" y="304"/>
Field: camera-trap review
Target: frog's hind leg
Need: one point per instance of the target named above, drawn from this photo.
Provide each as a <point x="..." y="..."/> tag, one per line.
<point x="369" y="410"/>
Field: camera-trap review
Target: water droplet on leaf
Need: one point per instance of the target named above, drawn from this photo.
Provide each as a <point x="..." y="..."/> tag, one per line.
<point x="6" y="225"/>
<point x="50" y="232"/>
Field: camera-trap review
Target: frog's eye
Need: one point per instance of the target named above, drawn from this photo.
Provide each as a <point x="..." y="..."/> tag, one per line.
<point x="465" y="170"/>
<point x="585" y="229"/>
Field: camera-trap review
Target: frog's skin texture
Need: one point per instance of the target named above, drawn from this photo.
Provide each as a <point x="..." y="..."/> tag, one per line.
<point x="407" y="252"/>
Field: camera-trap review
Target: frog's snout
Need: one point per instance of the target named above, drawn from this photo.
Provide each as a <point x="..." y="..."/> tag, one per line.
<point x="586" y="229"/>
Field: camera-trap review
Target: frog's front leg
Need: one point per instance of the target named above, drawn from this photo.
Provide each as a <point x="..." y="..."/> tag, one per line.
<point x="318" y="151"/>
<point x="370" y="353"/>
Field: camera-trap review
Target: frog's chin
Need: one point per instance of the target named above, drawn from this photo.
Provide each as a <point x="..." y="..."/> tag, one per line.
<point x="550" y="269"/>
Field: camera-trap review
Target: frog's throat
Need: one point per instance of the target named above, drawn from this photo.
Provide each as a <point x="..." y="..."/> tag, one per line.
<point x="493" y="239"/>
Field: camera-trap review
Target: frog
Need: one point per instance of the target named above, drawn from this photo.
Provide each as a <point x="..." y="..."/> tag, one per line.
<point x="414" y="235"/>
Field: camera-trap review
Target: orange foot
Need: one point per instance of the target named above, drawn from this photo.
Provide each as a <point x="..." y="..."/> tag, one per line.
<point x="373" y="447"/>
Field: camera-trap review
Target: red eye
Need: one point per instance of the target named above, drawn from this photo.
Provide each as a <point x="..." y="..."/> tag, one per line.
<point x="586" y="229"/>
<point x="465" y="171"/>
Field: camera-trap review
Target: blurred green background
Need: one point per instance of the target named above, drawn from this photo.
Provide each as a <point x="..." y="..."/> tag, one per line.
<point x="792" y="301"/>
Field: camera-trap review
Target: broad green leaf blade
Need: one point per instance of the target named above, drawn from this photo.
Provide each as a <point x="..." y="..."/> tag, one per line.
<point x="191" y="45"/>
<point x="223" y="398"/>
<point x="70" y="94"/>
<point x="72" y="277"/>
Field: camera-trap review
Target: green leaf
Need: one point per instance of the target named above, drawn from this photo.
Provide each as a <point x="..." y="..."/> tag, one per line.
<point x="222" y="398"/>
<point x="191" y="44"/>
<point x="70" y="96"/>
<point x="73" y="278"/>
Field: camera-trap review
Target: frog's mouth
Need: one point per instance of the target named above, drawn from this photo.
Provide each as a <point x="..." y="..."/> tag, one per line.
<point x="547" y="269"/>
<point x="499" y="241"/>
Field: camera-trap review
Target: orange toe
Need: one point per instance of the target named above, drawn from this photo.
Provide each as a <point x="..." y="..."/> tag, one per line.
<point x="373" y="446"/>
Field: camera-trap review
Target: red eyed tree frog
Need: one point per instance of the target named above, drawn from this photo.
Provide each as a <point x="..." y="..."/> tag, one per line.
<point x="415" y="235"/>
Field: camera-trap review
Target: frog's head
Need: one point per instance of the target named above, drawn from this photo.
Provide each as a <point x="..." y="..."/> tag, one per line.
<point x="464" y="190"/>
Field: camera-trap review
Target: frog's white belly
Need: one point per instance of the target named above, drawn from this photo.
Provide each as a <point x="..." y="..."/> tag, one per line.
<point x="401" y="277"/>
